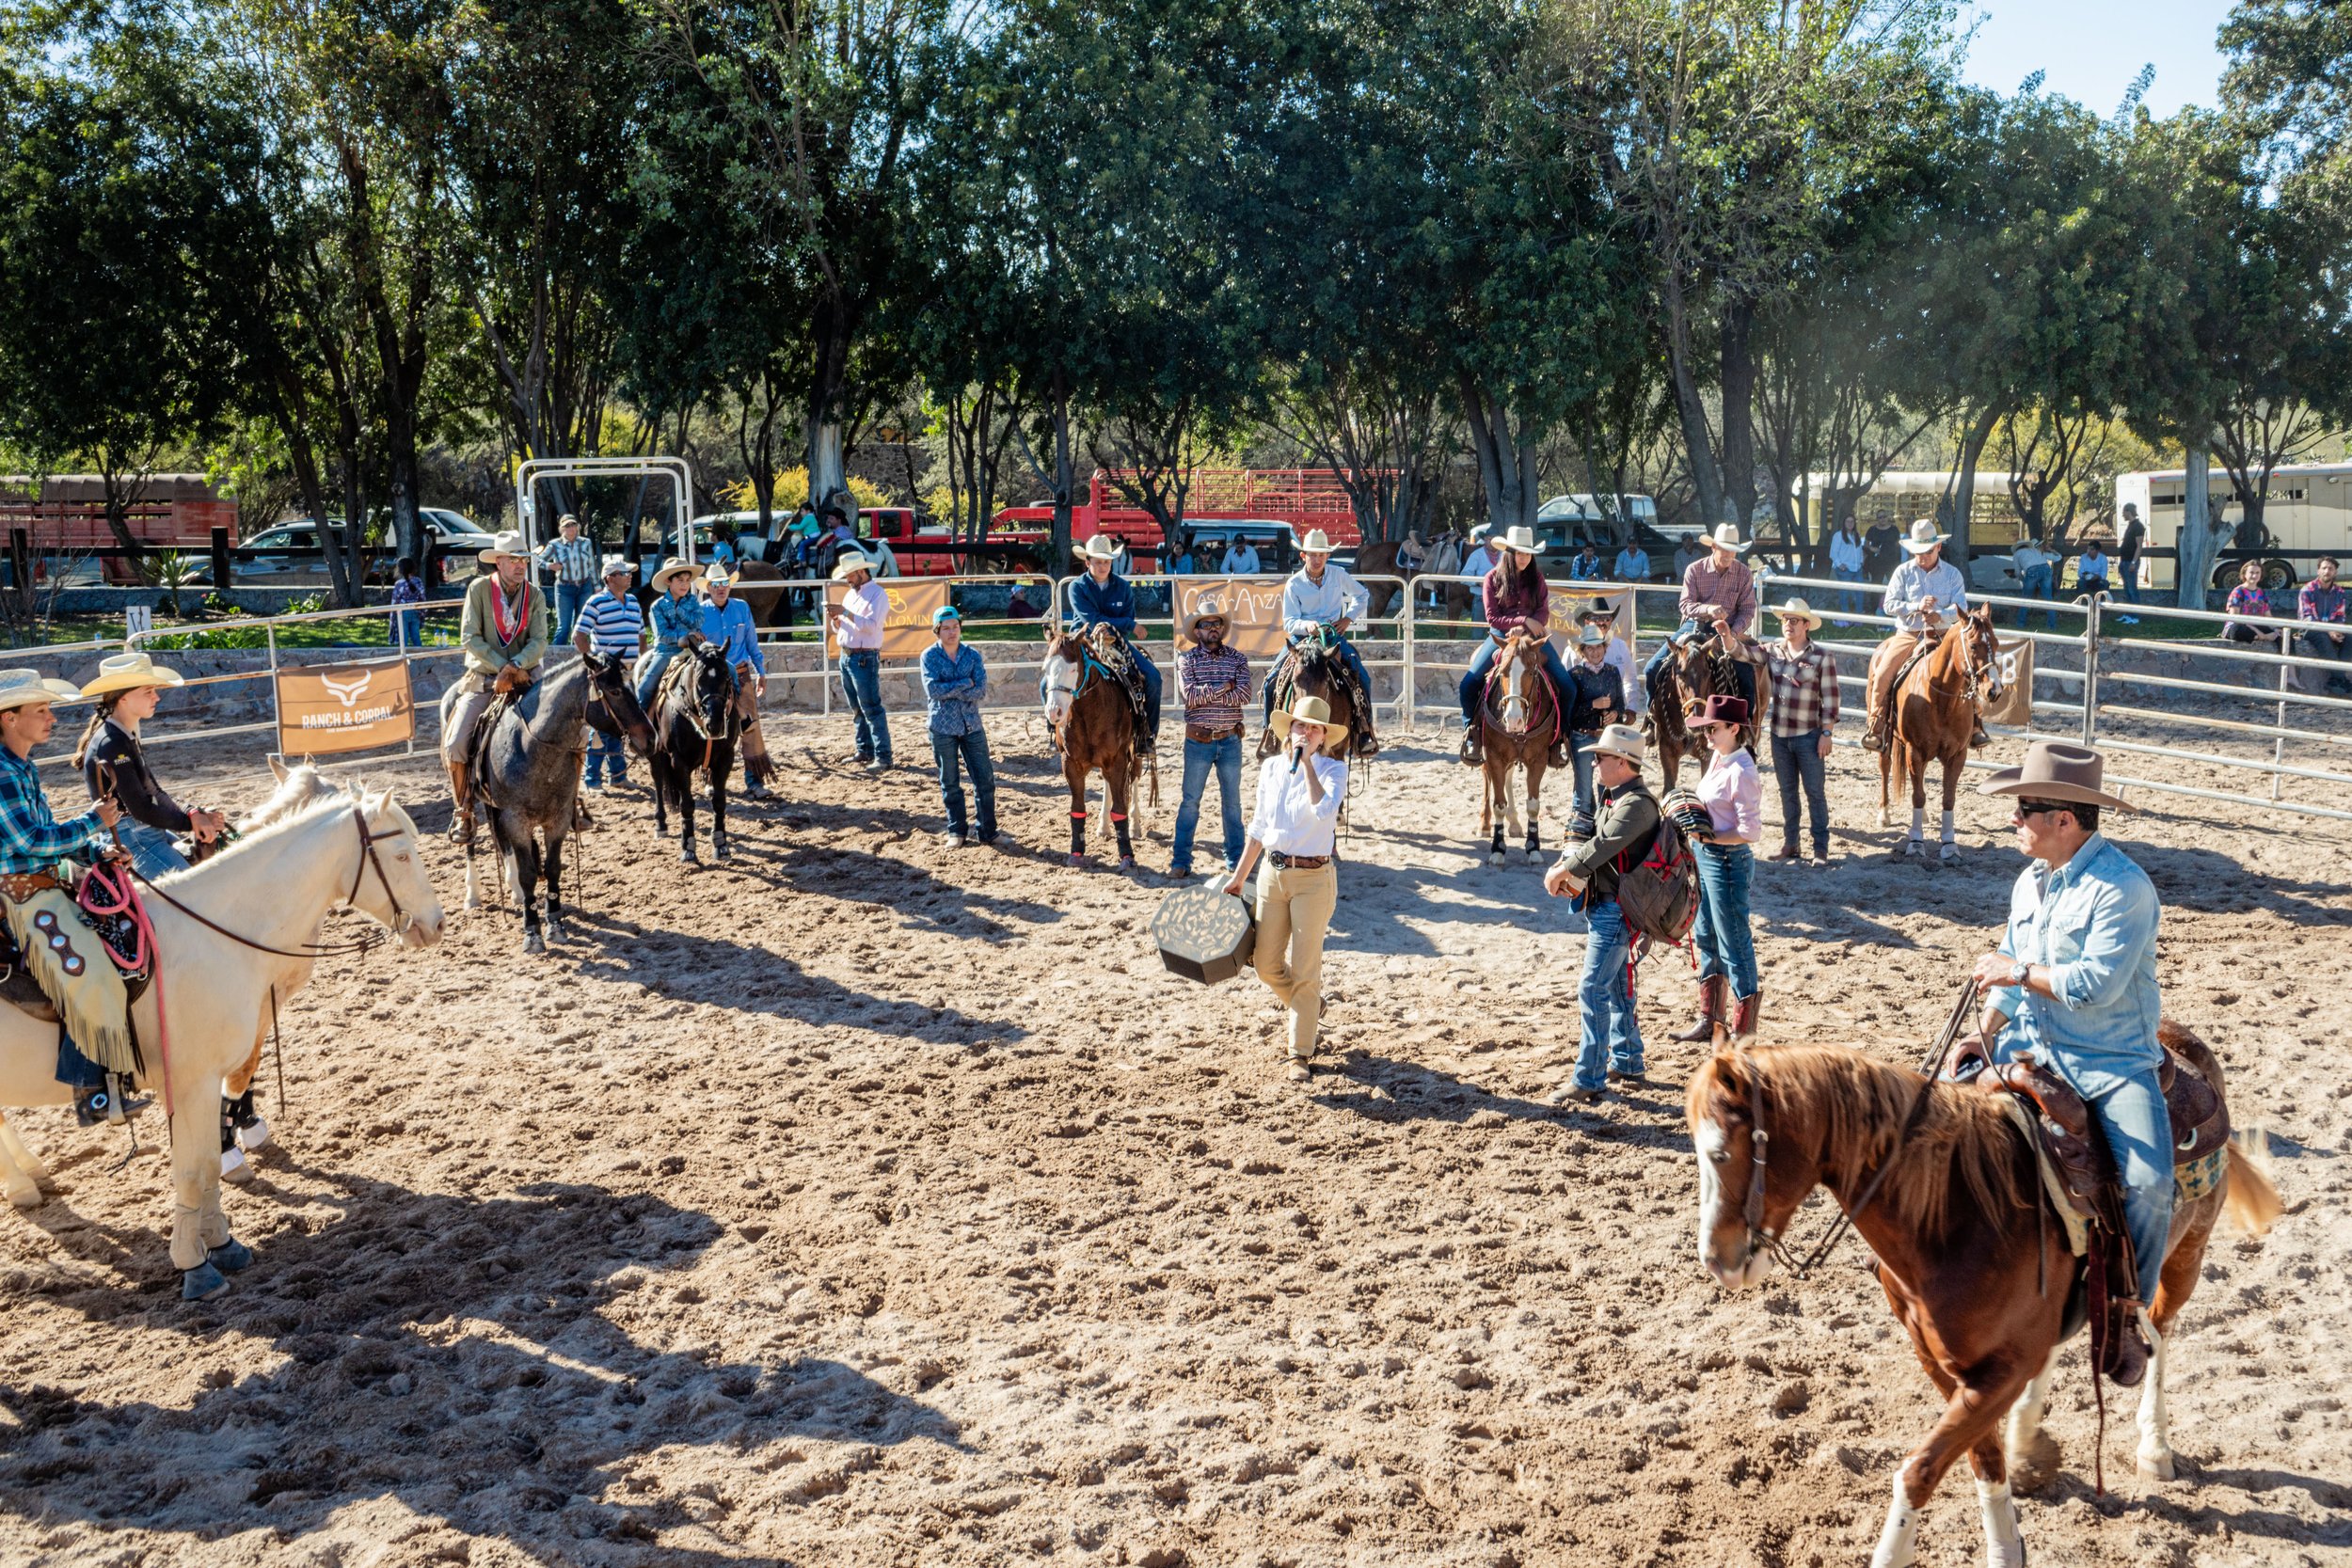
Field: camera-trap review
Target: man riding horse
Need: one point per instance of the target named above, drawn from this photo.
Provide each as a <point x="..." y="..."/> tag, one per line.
<point x="1924" y="596"/>
<point x="1718" y="596"/>
<point x="1103" y="598"/>
<point x="1320" y="603"/>
<point x="503" y="632"/>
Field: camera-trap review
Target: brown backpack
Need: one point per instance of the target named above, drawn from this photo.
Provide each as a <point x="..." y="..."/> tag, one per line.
<point x="1660" y="892"/>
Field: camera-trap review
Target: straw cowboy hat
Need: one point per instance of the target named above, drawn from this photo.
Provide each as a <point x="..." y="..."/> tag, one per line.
<point x="1310" y="710"/>
<point x="1190" y="625"/>
<point x="1101" y="547"/>
<point x="1796" y="610"/>
<point x="509" y="543"/>
<point x="1316" y="542"/>
<point x="616" y="563"/>
<point x="851" y="560"/>
<point x="670" y="568"/>
<point x="717" y="572"/>
<point x="1521" y="541"/>
<point x="1923" y="537"/>
<point x="1593" y="636"/>
<point x="2053" y="771"/>
<point x="123" y="671"/>
<point x="1717" y="710"/>
<point x="1618" y="740"/>
<point x="1726" y="537"/>
<point x="20" y="688"/>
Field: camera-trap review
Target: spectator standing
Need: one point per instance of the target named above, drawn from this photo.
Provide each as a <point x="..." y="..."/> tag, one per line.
<point x="408" y="588"/>
<point x="1213" y="682"/>
<point x="954" y="683"/>
<point x="573" y="561"/>
<point x="2036" y="570"/>
<point x="2091" y="569"/>
<point x="1632" y="563"/>
<point x="1611" y="1041"/>
<point x="1881" y="549"/>
<point x="1018" y="608"/>
<point x="859" y="629"/>
<point x="1596" y="700"/>
<point x="1241" y="558"/>
<point x="2322" y="604"/>
<point x="1597" y="612"/>
<point x="1805" y="716"/>
<point x="1483" y="558"/>
<point x="2128" y="551"/>
<point x="1846" y="556"/>
<point x="616" y="629"/>
<point x="1688" y="551"/>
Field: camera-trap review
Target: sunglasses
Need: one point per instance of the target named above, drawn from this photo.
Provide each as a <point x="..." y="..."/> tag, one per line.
<point x="2038" y="808"/>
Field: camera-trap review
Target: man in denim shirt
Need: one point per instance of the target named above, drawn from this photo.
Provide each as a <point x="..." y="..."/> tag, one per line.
<point x="954" y="683"/>
<point x="2073" y="982"/>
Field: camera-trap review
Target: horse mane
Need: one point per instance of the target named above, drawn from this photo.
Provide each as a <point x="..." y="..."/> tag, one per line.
<point x="303" y="785"/>
<point x="260" y="831"/>
<point x="1964" y="1141"/>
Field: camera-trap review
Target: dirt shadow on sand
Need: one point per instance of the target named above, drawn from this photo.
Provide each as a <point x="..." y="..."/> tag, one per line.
<point x="455" y="1355"/>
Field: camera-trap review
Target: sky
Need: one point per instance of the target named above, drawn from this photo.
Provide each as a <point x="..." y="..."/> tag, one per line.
<point x="2090" y="50"/>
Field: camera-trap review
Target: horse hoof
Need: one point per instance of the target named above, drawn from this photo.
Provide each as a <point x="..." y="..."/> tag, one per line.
<point x="1076" y="862"/>
<point x="2156" y="1468"/>
<point x="555" y="931"/>
<point x="233" y="1167"/>
<point x="1126" y="862"/>
<point x="25" y="1195"/>
<point x="474" y="901"/>
<point x="534" y="942"/>
<point x="1949" y="851"/>
<point x="202" y="1283"/>
<point x="231" y="1256"/>
<point x="1497" y="856"/>
<point x="254" y="1135"/>
<point x="1914" y="848"/>
<point x="723" y="850"/>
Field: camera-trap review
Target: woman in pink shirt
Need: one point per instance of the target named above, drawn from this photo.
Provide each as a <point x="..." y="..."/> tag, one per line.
<point x="1733" y="793"/>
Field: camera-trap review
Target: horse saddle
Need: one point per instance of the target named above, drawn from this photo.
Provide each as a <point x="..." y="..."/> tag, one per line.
<point x="1282" y="681"/>
<point x="116" y="933"/>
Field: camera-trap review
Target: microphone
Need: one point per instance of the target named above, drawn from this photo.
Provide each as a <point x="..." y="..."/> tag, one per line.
<point x="1298" y="752"/>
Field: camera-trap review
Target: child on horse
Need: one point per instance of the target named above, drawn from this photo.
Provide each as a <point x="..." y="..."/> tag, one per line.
<point x="1516" y="597"/>
<point x="1103" y="598"/>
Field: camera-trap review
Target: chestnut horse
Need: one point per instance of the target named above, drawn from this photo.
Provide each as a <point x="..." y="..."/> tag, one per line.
<point x="1094" y="729"/>
<point x="1518" y="717"/>
<point x="1964" y="1246"/>
<point x="1935" y="710"/>
<point x="1694" y="672"/>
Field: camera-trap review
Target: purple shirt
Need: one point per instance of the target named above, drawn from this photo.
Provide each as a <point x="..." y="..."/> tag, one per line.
<point x="1508" y="606"/>
<point x="2320" y="604"/>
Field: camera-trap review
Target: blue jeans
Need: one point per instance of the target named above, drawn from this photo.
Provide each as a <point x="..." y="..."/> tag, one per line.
<point x="2138" y="1130"/>
<point x="75" y="1070"/>
<point x="153" y="852"/>
<point x="649" y="670"/>
<point x="412" y="628"/>
<point x="1604" y="1005"/>
<point x="570" y="599"/>
<point x="972" y="750"/>
<point x="861" y="682"/>
<point x="2131" y="579"/>
<point x="2039" y="583"/>
<point x="1346" y="652"/>
<point x="1796" y="760"/>
<point x="1473" y="685"/>
<point x="1726" y="945"/>
<point x="608" y="757"/>
<point x="1581" y="756"/>
<point x="1849" y="602"/>
<point x="1151" y="673"/>
<point x="1200" y="757"/>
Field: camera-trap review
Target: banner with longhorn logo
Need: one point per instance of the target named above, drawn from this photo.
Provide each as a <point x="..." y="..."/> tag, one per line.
<point x="343" y="708"/>
<point x="907" y="623"/>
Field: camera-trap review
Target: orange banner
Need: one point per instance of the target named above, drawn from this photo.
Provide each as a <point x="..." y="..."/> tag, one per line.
<point x="343" y="708"/>
<point x="906" y="624"/>
<point x="1252" y="608"/>
<point x="1565" y="608"/>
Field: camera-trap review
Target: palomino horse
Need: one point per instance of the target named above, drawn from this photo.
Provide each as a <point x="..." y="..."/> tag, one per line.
<point x="1094" y="728"/>
<point x="697" y="719"/>
<point x="224" y="932"/>
<point x="1693" y="672"/>
<point x="1978" y="1275"/>
<point x="1517" y="718"/>
<point x="1934" y="718"/>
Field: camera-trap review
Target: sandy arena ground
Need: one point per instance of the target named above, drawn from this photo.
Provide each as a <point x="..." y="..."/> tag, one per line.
<point x="865" y="1202"/>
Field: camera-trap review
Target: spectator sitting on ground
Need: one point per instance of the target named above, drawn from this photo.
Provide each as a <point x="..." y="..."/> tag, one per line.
<point x="2322" y="604"/>
<point x="2091" y="569"/>
<point x="2248" y="599"/>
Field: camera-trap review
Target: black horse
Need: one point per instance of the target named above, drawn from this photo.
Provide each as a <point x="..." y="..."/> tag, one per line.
<point x="528" y="779"/>
<point x="696" y="722"/>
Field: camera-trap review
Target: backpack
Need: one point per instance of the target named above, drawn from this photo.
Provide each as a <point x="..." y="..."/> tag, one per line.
<point x="1660" y="894"/>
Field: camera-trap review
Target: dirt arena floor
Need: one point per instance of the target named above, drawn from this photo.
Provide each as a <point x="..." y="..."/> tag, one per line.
<point x="864" y="1202"/>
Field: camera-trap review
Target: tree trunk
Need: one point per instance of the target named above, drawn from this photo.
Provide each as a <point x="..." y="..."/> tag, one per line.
<point x="1739" y="396"/>
<point x="1506" y="464"/>
<point x="1964" y="487"/>
<point x="2193" y="568"/>
<point x="1057" y="535"/>
<point x="1689" y="406"/>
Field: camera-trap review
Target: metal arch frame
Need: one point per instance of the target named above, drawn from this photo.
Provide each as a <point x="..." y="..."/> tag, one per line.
<point x="532" y="471"/>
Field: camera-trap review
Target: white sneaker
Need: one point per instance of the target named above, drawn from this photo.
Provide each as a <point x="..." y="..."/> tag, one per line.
<point x="951" y="841"/>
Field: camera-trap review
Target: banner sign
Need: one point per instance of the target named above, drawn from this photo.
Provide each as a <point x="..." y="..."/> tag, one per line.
<point x="1252" y="608"/>
<point x="1565" y="608"/>
<point x="906" y="624"/>
<point x="343" y="708"/>
<point x="2015" y="662"/>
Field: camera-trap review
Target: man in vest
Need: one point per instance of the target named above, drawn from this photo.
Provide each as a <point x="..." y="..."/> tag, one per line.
<point x="503" y="632"/>
<point x="1628" y="822"/>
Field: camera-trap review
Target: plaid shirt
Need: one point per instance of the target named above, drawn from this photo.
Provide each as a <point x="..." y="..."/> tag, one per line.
<point x="574" y="561"/>
<point x="2320" y="604"/>
<point x="1733" y="588"/>
<point x="1804" y="689"/>
<point x="1216" y="686"/>
<point x="32" y="839"/>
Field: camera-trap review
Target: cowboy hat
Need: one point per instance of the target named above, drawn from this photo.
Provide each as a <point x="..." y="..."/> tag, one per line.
<point x="1618" y="740"/>
<point x="123" y="671"/>
<point x="1718" y="710"/>
<point x="1597" y="609"/>
<point x="1726" y="537"/>
<point x="1190" y="625"/>
<point x="509" y="543"/>
<point x="1923" y="537"/>
<point x="1310" y="710"/>
<point x="1521" y="541"/>
<point x="670" y="568"/>
<point x="616" y="563"/>
<point x="1316" y="542"/>
<point x="1796" y="610"/>
<point x="1593" y="637"/>
<point x="2053" y="771"/>
<point x="1101" y="547"/>
<point x="719" y="573"/>
<point x="851" y="560"/>
<point x="22" y="687"/>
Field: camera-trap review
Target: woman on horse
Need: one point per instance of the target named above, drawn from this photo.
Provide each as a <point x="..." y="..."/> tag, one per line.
<point x="1516" y="599"/>
<point x="1733" y="793"/>
<point x="112" y="765"/>
<point x="677" y="617"/>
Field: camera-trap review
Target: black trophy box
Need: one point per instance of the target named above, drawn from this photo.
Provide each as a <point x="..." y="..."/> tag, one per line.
<point x="1205" y="933"/>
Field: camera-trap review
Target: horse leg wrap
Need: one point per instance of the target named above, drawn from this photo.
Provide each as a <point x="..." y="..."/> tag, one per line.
<point x="1077" y="833"/>
<point x="1948" y="827"/>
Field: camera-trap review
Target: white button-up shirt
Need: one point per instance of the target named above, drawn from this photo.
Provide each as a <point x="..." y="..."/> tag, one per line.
<point x="1289" y="821"/>
<point x="1240" y="559"/>
<point x="1308" y="604"/>
<point x="862" y="614"/>
<point x="1910" y="587"/>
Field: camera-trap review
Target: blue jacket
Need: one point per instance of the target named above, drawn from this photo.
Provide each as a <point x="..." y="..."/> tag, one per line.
<point x="953" y="688"/>
<point x="1111" y="604"/>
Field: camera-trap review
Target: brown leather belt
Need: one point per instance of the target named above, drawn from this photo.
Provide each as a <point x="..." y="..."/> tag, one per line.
<point x="1298" y="862"/>
<point x="1210" y="734"/>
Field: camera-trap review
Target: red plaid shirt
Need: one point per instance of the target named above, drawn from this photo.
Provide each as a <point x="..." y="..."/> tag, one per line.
<point x="1804" y="689"/>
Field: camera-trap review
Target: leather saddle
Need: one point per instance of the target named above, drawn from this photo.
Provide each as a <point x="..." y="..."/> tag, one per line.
<point x="1283" y="680"/>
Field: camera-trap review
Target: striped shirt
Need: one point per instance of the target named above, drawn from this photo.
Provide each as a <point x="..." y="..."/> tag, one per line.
<point x="1215" y="685"/>
<point x="615" y="624"/>
<point x="573" y="561"/>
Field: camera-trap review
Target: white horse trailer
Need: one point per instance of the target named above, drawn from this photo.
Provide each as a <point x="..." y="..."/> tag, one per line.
<point x="2307" y="512"/>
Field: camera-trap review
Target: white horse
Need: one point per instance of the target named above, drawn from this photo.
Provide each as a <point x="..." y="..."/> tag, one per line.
<point x="215" y="928"/>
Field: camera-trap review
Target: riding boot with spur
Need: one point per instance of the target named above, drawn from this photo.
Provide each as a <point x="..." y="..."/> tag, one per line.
<point x="112" y="1100"/>
<point x="1473" y="747"/>
<point x="1711" y="988"/>
<point x="1743" y="1019"/>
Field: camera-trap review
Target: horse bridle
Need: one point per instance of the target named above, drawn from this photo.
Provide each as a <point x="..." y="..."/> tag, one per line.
<point x="366" y="942"/>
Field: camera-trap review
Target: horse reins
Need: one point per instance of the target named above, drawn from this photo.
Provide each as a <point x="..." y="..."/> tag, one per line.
<point x="363" y="943"/>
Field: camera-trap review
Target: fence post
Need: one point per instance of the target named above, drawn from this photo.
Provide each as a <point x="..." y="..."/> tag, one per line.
<point x="1412" y="668"/>
<point x="2090" y="670"/>
<point x="220" y="562"/>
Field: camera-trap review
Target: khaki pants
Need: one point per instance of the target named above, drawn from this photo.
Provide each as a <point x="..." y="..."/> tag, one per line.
<point x="1294" y="912"/>
<point x="1885" y="662"/>
<point x="465" y="714"/>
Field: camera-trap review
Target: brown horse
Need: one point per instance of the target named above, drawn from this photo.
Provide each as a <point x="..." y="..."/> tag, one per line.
<point x="1935" y="710"/>
<point x="1693" y="672"/>
<point x="1094" y="729"/>
<point x="1964" y="1250"/>
<point x="1310" y="670"/>
<point x="1517" y="718"/>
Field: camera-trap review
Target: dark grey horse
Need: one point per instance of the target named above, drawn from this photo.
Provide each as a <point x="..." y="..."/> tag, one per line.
<point x="528" y="780"/>
<point x="697" y="719"/>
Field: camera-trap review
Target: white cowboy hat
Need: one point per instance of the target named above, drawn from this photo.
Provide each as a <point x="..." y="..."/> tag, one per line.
<point x="20" y="687"/>
<point x="1101" y="547"/>
<point x="2053" y="771"/>
<point x="123" y="671"/>
<point x="670" y="568"/>
<point x="617" y="564"/>
<point x="851" y="560"/>
<point x="1594" y="636"/>
<point x="1521" y="541"/>
<point x="1190" y="625"/>
<point x="1923" y="537"/>
<point x="717" y="572"/>
<point x="1726" y="537"/>
<point x="1310" y="710"/>
<point x="509" y="543"/>
<point x="1316" y="542"/>
<point x="1796" y="610"/>
<point x="1619" y="740"/>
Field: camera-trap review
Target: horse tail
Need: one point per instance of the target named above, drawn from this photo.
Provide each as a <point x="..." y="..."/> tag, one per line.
<point x="2251" y="1200"/>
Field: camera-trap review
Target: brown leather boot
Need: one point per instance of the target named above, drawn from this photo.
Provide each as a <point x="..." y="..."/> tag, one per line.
<point x="1711" y="988"/>
<point x="1743" y="1019"/>
<point x="1473" y="747"/>
<point x="2128" y="1347"/>
<point x="460" y="802"/>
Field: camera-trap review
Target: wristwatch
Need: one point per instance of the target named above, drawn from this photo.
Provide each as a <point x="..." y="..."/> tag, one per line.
<point x="2020" y="972"/>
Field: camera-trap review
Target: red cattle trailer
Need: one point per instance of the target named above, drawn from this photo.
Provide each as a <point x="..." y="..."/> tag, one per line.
<point x="1303" y="498"/>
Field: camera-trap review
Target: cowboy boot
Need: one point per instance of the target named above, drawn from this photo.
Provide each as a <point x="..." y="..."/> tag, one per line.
<point x="1978" y="737"/>
<point x="1473" y="747"/>
<point x="1743" y="1019"/>
<point x="460" y="803"/>
<point x="2127" y="1348"/>
<point x="112" y="1100"/>
<point x="1711" y="988"/>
